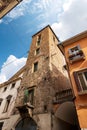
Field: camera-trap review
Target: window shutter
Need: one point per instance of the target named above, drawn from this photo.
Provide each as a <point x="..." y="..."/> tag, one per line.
<point x="77" y="81"/>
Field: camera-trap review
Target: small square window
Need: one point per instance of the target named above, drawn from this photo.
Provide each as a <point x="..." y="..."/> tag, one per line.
<point x="74" y="50"/>
<point x="75" y="54"/>
<point x="37" y="51"/>
<point x="13" y="85"/>
<point x="35" y="66"/>
<point x="5" y="89"/>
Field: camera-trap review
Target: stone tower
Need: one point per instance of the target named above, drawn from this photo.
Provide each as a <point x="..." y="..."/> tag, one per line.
<point x="43" y="78"/>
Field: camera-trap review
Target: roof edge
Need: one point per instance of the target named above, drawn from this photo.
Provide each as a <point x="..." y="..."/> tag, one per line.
<point x="74" y="38"/>
<point x="44" y="28"/>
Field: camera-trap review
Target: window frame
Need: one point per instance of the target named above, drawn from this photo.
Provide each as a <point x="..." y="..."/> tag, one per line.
<point x="35" y="66"/>
<point x="8" y="100"/>
<point x="81" y="89"/>
<point x="38" y="40"/>
<point x="29" y="95"/>
<point x="37" y="51"/>
<point x="75" y="55"/>
<point x="13" y="85"/>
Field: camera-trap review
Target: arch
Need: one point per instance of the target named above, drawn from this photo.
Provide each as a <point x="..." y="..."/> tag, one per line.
<point x="67" y="117"/>
<point x="26" y="123"/>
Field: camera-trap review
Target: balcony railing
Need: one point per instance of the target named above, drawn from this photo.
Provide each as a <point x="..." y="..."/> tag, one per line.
<point x="76" y="56"/>
<point x="62" y="96"/>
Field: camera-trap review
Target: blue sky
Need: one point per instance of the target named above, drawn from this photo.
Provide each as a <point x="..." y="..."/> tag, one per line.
<point x="66" y="17"/>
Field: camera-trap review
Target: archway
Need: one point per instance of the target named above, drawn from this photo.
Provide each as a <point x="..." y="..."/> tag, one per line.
<point x="67" y="117"/>
<point x="26" y="123"/>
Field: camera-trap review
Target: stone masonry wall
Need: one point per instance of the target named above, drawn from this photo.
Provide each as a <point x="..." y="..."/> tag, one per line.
<point x="49" y="78"/>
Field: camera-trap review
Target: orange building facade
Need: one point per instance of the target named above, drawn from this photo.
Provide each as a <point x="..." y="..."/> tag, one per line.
<point x="75" y="51"/>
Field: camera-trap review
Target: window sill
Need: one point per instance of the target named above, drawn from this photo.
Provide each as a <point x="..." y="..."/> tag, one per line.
<point x="82" y="93"/>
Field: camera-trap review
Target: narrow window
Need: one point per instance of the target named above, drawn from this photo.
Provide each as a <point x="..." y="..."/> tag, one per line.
<point x="38" y="39"/>
<point x="8" y="99"/>
<point x="1" y="124"/>
<point x="53" y="38"/>
<point x="37" y="51"/>
<point x="13" y="85"/>
<point x="1" y="101"/>
<point x="35" y="66"/>
<point x="31" y="96"/>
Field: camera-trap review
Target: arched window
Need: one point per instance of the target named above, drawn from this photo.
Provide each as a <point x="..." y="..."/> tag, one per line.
<point x="8" y="99"/>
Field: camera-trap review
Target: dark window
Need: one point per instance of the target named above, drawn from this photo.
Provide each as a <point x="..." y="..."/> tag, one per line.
<point x="28" y="96"/>
<point x="13" y="85"/>
<point x="35" y="66"/>
<point x="38" y="39"/>
<point x="1" y="101"/>
<point x="81" y="80"/>
<point x="1" y="124"/>
<point x="53" y="38"/>
<point x="37" y="51"/>
<point x="5" y="89"/>
<point x="8" y="99"/>
<point x="75" y="54"/>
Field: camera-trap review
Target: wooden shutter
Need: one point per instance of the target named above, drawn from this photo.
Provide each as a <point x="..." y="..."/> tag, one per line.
<point x="77" y="81"/>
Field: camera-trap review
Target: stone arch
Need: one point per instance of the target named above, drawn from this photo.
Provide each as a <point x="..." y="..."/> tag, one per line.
<point x="67" y="117"/>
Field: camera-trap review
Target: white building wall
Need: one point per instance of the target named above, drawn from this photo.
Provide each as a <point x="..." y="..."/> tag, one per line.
<point x="5" y="117"/>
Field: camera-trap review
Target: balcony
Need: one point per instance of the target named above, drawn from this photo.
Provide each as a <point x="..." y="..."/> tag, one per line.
<point x="76" y="56"/>
<point x="63" y="96"/>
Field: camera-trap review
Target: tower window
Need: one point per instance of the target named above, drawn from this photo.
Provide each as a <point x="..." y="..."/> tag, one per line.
<point x="53" y="38"/>
<point x="37" y="51"/>
<point x="38" y="39"/>
<point x="35" y="66"/>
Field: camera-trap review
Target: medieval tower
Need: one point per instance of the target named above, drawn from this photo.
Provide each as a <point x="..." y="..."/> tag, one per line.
<point x="44" y="77"/>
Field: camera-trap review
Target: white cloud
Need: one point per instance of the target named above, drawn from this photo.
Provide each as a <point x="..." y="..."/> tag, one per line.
<point x="10" y="67"/>
<point x="19" y="10"/>
<point x="73" y="20"/>
<point x="1" y="20"/>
